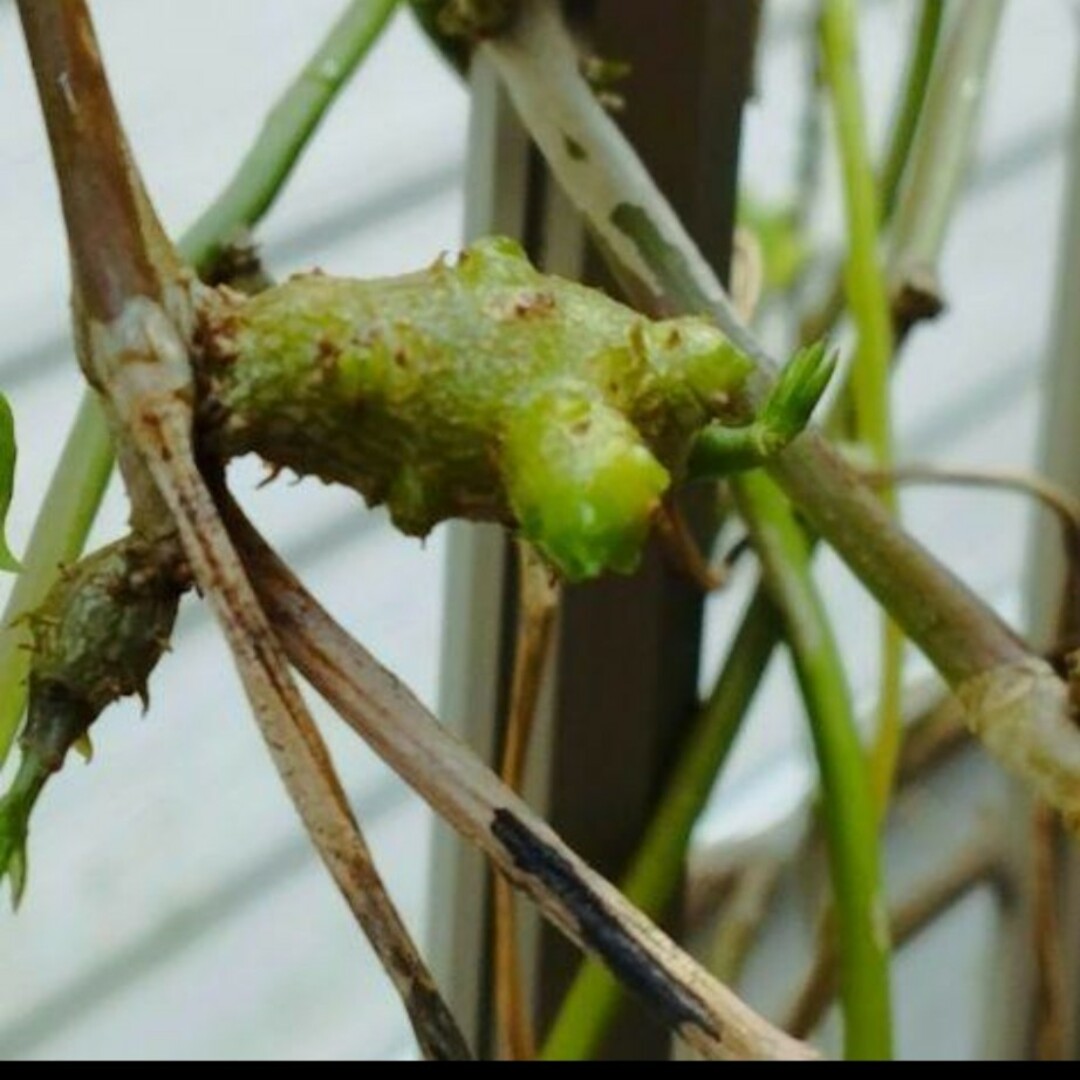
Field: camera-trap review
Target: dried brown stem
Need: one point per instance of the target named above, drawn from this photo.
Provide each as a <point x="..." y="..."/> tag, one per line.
<point x="117" y="248"/>
<point x="1051" y="982"/>
<point x="681" y="547"/>
<point x="132" y="300"/>
<point x="539" y="604"/>
<point x="294" y="742"/>
<point x="572" y="896"/>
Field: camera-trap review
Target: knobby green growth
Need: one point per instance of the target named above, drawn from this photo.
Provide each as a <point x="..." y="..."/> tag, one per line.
<point x="96" y="639"/>
<point x="486" y="390"/>
<point x="483" y="390"/>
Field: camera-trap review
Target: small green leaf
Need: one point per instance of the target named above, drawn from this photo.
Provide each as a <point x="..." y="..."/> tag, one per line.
<point x="14" y="821"/>
<point x="797" y="393"/>
<point x="721" y="451"/>
<point x="15" y="810"/>
<point x="8" y="455"/>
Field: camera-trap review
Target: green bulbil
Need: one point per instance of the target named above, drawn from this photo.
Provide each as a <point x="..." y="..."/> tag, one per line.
<point x="582" y="479"/>
<point x="96" y="639"/>
<point x="101" y="632"/>
<point x="482" y="390"/>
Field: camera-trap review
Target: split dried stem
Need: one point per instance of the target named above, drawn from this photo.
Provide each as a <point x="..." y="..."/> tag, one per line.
<point x="572" y="896"/>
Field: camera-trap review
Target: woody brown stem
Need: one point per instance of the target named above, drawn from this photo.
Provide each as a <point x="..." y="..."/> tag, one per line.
<point x="572" y="896"/>
<point x="109" y="226"/>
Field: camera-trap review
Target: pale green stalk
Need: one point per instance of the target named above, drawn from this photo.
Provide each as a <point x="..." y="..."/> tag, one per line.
<point x="868" y="299"/>
<point x="848" y="807"/>
<point x="81" y="477"/>
<point x="865" y="274"/>
<point x="288" y="130"/>
<point x="902" y="142"/>
<point x="942" y="155"/>
<point x="910" y="108"/>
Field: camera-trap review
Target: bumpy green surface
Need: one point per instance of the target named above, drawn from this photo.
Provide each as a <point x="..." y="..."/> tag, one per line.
<point x="481" y="390"/>
<point x="100" y="633"/>
<point x="97" y="638"/>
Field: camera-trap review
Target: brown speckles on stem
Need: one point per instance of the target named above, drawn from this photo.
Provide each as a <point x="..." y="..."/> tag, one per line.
<point x="535" y="304"/>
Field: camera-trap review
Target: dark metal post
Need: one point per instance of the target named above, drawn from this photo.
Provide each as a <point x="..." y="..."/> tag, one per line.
<point x="626" y="675"/>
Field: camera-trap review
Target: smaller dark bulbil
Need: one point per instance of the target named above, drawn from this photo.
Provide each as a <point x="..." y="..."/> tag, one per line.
<point x="96" y="639"/>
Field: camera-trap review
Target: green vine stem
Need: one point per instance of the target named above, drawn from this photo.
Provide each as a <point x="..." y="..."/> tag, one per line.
<point x="289" y="128"/>
<point x="910" y="108"/>
<point x="864" y="274"/>
<point x="868" y="300"/>
<point x="902" y="139"/>
<point x="82" y="474"/>
<point x="652" y="882"/>
<point x="942" y="155"/>
<point x="1015" y="702"/>
<point x="59" y="534"/>
<point x="849" y="812"/>
<point x="866" y="288"/>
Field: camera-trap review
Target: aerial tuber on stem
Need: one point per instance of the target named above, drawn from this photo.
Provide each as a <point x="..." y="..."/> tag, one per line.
<point x="96" y="639"/>
<point x="488" y="391"/>
<point x="482" y="390"/>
